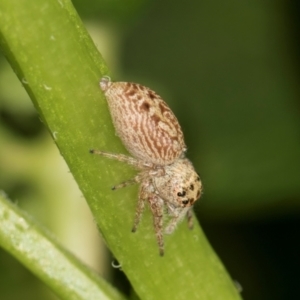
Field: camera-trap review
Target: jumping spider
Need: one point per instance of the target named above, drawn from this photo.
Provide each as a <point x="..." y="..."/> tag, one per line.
<point x="152" y="134"/>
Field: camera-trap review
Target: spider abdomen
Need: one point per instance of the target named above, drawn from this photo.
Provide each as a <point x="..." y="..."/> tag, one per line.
<point x="144" y="122"/>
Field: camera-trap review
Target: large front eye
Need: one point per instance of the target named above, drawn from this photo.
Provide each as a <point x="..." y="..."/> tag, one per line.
<point x="185" y="202"/>
<point x="182" y="194"/>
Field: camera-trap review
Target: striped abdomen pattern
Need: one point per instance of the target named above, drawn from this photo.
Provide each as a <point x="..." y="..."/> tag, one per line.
<point x="144" y="122"/>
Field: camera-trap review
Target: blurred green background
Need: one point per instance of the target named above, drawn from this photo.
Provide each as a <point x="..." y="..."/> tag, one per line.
<point x="230" y="71"/>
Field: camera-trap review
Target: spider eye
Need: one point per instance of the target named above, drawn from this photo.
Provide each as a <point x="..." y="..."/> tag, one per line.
<point x="185" y="202"/>
<point x="182" y="194"/>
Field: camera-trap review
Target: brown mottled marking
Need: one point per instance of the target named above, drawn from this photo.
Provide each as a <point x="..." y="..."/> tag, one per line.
<point x="163" y="108"/>
<point x="152" y="95"/>
<point x="145" y="106"/>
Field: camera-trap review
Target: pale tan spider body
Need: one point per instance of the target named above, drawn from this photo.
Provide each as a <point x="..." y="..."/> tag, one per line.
<point x="144" y="122"/>
<point x="151" y="133"/>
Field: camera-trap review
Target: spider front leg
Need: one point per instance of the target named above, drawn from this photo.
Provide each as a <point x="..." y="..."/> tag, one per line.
<point x="189" y="216"/>
<point x="140" y="206"/>
<point x="157" y="209"/>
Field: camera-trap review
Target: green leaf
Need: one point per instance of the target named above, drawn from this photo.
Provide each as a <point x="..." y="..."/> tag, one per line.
<point x="55" y="59"/>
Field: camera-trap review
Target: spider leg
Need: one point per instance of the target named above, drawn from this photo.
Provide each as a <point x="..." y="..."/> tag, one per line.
<point x="189" y="215"/>
<point x="140" y="207"/>
<point x="137" y="163"/>
<point x="124" y="184"/>
<point x="157" y="209"/>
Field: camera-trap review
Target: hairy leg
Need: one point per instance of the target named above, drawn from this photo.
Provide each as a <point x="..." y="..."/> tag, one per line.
<point x="139" y="208"/>
<point x="157" y="209"/>
<point x="148" y="168"/>
<point x="189" y="215"/>
<point x="139" y="164"/>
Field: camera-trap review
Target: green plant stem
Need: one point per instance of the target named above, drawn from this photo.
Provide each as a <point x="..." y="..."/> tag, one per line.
<point x="52" y="54"/>
<point x="42" y="254"/>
